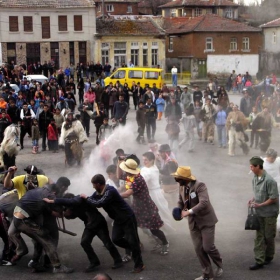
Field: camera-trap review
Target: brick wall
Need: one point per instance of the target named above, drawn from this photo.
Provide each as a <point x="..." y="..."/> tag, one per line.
<point x="119" y="9"/>
<point x="194" y="44"/>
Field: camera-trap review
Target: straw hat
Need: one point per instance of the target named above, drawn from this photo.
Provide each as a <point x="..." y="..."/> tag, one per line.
<point x="183" y="172"/>
<point x="130" y="166"/>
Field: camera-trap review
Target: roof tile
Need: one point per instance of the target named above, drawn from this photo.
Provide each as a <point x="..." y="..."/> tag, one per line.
<point x="205" y="23"/>
<point x="46" y="3"/>
<point x="197" y="3"/>
<point x="273" y="23"/>
<point x="127" y="27"/>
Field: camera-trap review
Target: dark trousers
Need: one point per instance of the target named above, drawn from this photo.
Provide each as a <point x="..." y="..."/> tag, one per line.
<point x="151" y="127"/>
<point x="103" y="234"/>
<point x="40" y="235"/>
<point x="44" y="134"/>
<point x="50" y="224"/>
<point x="125" y="235"/>
<point x="81" y="96"/>
<point x="86" y="125"/>
<point x="97" y="133"/>
<point x="141" y="130"/>
<point x="135" y="100"/>
<point x="203" y="241"/>
<point x="4" y="236"/>
<point x="23" y="131"/>
<point x="254" y="138"/>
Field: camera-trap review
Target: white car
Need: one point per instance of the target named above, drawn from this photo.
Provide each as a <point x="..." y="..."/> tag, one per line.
<point x="37" y="78"/>
<point x="13" y="86"/>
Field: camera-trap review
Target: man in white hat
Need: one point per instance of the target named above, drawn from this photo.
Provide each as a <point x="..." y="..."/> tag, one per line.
<point x="195" y="204"/>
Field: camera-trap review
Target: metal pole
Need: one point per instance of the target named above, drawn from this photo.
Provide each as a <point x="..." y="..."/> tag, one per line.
<point x="103" y="10"/>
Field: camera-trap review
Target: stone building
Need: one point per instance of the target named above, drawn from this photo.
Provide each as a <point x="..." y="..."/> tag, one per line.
<point x="121" y="39"/>
<point x="59" y="30"/>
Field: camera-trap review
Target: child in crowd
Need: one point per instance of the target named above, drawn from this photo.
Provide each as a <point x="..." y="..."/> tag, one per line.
<point x="160" y="106"/>
<point x="105" y="130"/>
<point x="189" y="123"/>
<point x="35" y="136"/>
<point x="53" y="137"/>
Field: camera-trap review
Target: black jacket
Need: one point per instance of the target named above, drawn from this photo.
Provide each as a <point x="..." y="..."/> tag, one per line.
<point x="45" y="120"/>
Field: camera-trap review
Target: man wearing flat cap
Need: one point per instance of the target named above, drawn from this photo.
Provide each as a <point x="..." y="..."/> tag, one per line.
<point x="266" y="203"/>
<point x="194" y="203"/>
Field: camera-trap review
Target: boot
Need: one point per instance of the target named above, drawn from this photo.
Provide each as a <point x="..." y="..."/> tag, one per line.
<point x="34" y="150"/>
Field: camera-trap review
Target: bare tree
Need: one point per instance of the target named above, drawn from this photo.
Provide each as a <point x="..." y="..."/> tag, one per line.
<point x="154" y="4"/>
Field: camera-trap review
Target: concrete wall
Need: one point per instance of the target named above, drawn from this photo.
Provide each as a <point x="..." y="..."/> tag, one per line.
<point x="226" y="63"/>
<point x="89" y="27"/>
<point x="269" y="44"/>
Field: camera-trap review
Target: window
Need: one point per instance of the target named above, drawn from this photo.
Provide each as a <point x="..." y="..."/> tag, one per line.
<point x="233" y="44"/>
<point x="209" y="11"/>
<point x="170" y="47"/>
<point x="209" y="44"/>
<point x="119" y="74"/>
<point x="78" y="23"/>
<point x="55" y="54"/>
<point x="83" y="52"/>
<point x="151" y="75"/>
<point x="129" y="9"/>
<point x="109" y="8"/>
<point x="11" y="52"/>
<point x="246" y="44"/>
<point x="274" y="38"/>
<point x="135" y="74"/>
<point x="173" y="13"/>
<point x="13" y="24"/>
<point x="72" y="52"/>
<point x="229" y="13"/>
<point x="145" y="57"/>
<point x="134" y="56"/>
<point x="104" y="56"/>
<point x="105" y="53"/>
<point x="33" y="53"/>
<point x="154" y="57"/>
<point x="197" y="12"/>
<point x="27" y="24"/>
<point x="46" y="30"/>
<point x="154" y="45"/>
<point x="62" y="23"/>
<point x="119" y="53"/>
<point x="134" y="45"/>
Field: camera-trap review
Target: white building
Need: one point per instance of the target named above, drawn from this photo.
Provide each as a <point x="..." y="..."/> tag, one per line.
<point x="270" y="57"/>
<point x="61" y="30"/>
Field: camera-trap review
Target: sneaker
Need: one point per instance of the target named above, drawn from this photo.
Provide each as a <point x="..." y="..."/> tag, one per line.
<point x="30" y="264"/>
<point x="62" y="269"/>
<point x="5" y="263"/>
<point x="164" y="249"/>
<point x="203" y="278"/>
<point x="157" y="247"/>
<point x="126" y="258"/>
<point x="92" y="267"/>
<point x="219" y="272"/>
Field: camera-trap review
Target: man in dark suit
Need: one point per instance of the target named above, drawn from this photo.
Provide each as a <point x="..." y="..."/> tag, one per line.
<point x="194" y="203"/>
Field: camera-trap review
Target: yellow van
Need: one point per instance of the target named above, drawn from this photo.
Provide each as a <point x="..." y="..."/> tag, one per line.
<point x="145" y="76"/>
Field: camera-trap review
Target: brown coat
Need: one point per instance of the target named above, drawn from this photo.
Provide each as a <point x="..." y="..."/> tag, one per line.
<point x="197" y="200"/>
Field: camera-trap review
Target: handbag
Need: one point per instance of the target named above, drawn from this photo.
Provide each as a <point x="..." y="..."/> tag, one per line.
<point x="252" y="222"/>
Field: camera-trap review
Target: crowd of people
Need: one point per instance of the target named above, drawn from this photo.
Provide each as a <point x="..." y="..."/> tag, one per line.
<point x="132" y="197"/>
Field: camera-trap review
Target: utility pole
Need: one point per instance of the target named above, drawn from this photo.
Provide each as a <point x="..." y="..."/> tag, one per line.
<point x="103" y="9"/>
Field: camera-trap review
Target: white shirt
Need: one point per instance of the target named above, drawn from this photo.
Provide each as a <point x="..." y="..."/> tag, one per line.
<point x="174" y="70"/>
